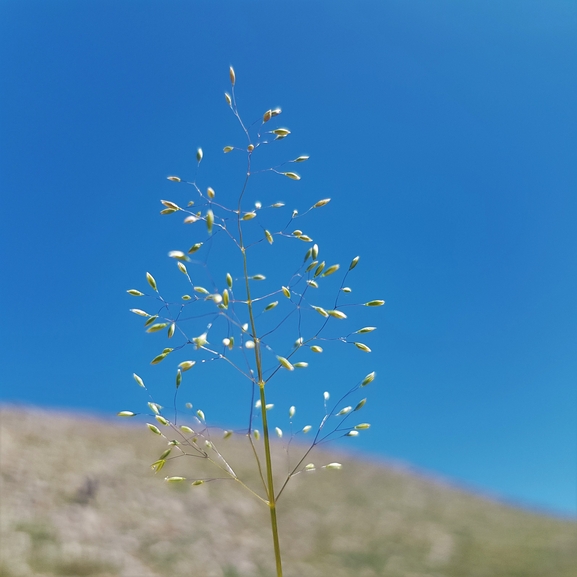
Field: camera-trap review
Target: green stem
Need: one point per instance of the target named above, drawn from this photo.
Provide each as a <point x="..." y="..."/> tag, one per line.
<point x="261" y="384"/>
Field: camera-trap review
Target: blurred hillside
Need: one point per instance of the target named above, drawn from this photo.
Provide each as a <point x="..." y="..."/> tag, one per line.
<point x="78" y="499"/>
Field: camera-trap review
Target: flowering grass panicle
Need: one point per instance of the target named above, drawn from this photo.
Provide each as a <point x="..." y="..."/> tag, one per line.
<point x="244" y="320"/>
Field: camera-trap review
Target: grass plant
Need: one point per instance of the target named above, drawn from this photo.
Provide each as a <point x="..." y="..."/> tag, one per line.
<point x="259" y="328"/>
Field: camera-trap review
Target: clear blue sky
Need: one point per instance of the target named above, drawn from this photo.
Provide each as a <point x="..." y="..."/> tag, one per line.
<point x="446" y="135"/>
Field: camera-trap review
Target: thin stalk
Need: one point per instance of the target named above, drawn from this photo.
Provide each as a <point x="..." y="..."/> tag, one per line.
<point x="261" y="384"/>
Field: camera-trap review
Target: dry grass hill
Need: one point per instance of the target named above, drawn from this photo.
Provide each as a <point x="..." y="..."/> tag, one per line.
<point x="78" y="499"/>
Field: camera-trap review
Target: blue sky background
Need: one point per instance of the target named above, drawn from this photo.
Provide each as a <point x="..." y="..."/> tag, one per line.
<point x="445" y="133"/>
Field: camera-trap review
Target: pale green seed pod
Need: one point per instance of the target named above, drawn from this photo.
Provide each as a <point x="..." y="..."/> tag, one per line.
<point x="276" y="111"/>
<point x="354" y="262"/>
<point x="200" y="341"/>
<point x="286" y="292"/>
<point x="167" y="211"/>
<point x="347" y="289"/>
<point x="186" y="365"/>
<point x="316" y="349"/>
<point x="308" y="254"/>
<point x="151" y="281"/>
<point x="209" y="220"/>
<point x="312" y="283"/>
<point x="285" y="363"/>
<point x="138" y="380"/>
<point x="266" y="116"/>
<point x="369" y="378"/>
<point x="178" y="255"/>
<point x="200" y="415"/>
<point x="156" y="327"/>
<point x="165" y="454"/>
<point x="190" y="219"/>
<point x="362" y="426"/>
<point x="194" y="247"/>
<point x="249" y="345"/>
<point x="249" y="215"/>
<point x="170" y="204"/>
<point x="306" y="429"/>
<point x="281" y="131"/>
<point x="229" y="280"/>
<point x="227" y="434"/>
<point x="159" y="358"/>
<point x="322" y="202"/>
<point x="319" y="269"/>
<point x="344" y="411"/>
<point x="178" y="378"/>
<point x="227" y="149"/>
<point x="310" y="467"/>
<point x="173" y="178"/>
<point x="363" y="347"/>
<point x="199" y="155"/>
<point x="139" y="312"/>
<point x="315" y="251"/>
<point x="186" y="429"/>
<point x="377" y="303"/>
<point x="182" y="268"/>
<point x="171" y="330"/>
<point x="292" y="412"/>
<point x="197" y="482"/>
<point x="150" y="320"/>
<point x="321" y="311"/>
<point x="297" y="232"/>
<point x="301" y="365"/>
<point x="312" y="265"/>
<point x="292" y="175"/>
<point x="125" y="414"/>
<point x="271" y="306"/>
<point x="277" y="205"/>
<point x="154" y="429"/>
<point x="186" y="297"/>
<point x="210" y="192"/>
<point x="337" y="314"/>
<point x="360" y="405"/>
<point x="301" y="158"/>
<point x="154" y="408"/>
<point x="333" y="466"/>
<point x="269" y="406"/>
<point x="162" y="420"/>
<point x="232" y="75"/>
<point x="352" y="434"/>
<point x="225" y="298"/>
<point x="188" y="405"/>
<point x="299" y="343"/>
<point x="268" y="236"/>
<point x="332" y="269"/>
<point x="258" y="277"/>
<point x="158" y="465"/>
<point x="278" y="432"/>
<point x="135" y="293"/>
<point x="256" y="434"/>
<point x="201" y="290"/>
<point x="305" y="238"/>
<point x="229" y="102"/>
<point x="366" y="330"/>
<point x="174" y="479"/>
